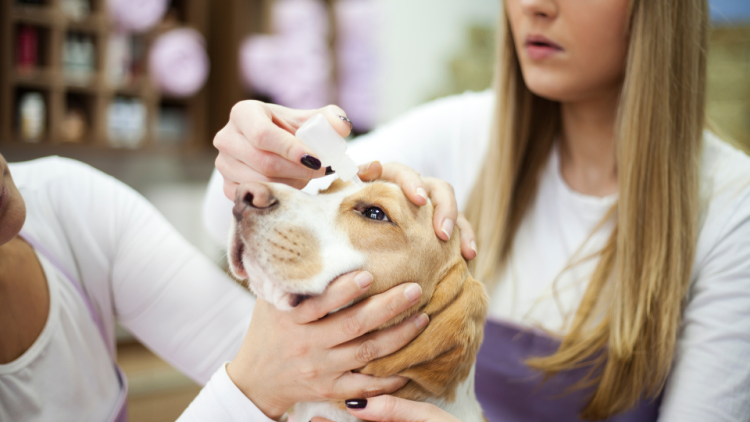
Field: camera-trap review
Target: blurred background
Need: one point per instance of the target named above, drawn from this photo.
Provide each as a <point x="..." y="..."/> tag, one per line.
<point x="138" y="88"/>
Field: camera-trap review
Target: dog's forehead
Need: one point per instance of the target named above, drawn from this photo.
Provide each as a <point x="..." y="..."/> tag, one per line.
<point x="338" y="191"/>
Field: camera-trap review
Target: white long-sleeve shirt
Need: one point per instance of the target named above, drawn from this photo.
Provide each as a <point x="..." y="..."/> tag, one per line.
<point x="710" y="379"/>
<point x="137" y="270"/>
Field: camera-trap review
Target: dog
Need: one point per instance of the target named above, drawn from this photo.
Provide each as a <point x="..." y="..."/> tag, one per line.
<point x="290" y="245"/>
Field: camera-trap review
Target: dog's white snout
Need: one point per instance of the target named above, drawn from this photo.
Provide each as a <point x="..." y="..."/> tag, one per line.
<point x="252" y="196"/>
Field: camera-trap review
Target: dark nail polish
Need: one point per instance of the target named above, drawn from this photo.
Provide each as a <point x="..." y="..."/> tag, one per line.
<point x="329" y="170"/>
<point x="346" y="119"/>
<point x="356" y="403"/>
<point x="310" y="162"/>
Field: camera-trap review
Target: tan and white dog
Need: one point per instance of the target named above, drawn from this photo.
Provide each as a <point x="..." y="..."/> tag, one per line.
<point x="290" y="245"/>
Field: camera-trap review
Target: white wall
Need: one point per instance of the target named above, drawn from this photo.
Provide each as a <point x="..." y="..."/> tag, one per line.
<point x="419" y="37"/>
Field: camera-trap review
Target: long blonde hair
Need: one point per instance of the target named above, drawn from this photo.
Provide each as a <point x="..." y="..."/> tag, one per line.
<point x="627" y="324"/>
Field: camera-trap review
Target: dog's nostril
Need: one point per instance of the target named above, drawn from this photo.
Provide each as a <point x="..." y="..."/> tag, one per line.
<point x="248" y="199"/>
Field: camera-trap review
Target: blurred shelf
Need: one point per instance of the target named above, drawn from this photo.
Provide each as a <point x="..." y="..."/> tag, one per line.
<point x="91" y="23"/>
<point x="53" y="27"/>
<point x="36" y="78"/>
<point x="37" y="15"/>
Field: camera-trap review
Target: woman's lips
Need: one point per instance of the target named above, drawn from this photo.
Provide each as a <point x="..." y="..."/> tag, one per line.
<point x="539" y="47"/>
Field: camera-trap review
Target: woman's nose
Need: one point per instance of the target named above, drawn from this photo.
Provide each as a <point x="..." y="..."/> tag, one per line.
<point x="253" y="196"/>
<point x="546" y="9"/>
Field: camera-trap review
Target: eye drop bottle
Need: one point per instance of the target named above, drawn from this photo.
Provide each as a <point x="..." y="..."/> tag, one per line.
<point x="329" y="146"/>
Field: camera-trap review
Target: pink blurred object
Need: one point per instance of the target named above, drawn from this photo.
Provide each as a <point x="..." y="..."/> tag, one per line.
<point x="293" y="66"/>
<point x="178" y="62"/>
<point x="260" y="62"/>
<point x="137" y="15"/>
<point x="358" y="25"/>
<point x="306" y="20"/>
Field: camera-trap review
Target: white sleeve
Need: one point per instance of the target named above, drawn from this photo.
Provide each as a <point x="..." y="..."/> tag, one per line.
<point x="446" y="138"/>
<point x="710" y="377"/>
<point x="221" y="400"/>
<point x="163" y="290"/>
<point x="217" y="210"/>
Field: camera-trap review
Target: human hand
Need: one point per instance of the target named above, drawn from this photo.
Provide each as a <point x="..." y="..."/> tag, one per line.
<point x="307" y="355"/>
<point x="258" y="145"/>
<point x="394" y="409"/>
<point x="418" y="189"/>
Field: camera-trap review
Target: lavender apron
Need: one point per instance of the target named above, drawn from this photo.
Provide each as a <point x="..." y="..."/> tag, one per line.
<point x="510" y="391"/>
<point x="120" y="412"/>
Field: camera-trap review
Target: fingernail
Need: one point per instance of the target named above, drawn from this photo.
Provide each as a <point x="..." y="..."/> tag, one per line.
<point x="421" y="321"/>
<point x="346" y="119"/>
<point x="356" y="403"/>
<point x="329" y="170"/>
<point x="421" y="192"/>
<point x="413" y="292"/>
<point x="447" y="227"/>
<point x="363" y="279"/>
<point x="364" y="167"/>
<point x="310" y="162"/>
<point x="474" y="247"/>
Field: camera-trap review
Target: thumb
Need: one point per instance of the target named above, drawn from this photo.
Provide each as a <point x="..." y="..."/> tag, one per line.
<point x="291" y="119"/>
<point x="389" y="408"/>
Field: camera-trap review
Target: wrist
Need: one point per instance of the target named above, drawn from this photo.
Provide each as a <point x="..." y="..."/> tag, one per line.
<point x="273" y="409"/>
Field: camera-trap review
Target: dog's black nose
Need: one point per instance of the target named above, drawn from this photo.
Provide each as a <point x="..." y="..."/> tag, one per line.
<point x="252" y="196"/>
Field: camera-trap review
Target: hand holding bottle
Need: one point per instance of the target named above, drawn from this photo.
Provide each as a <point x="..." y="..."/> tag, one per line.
<point x="258" y="144"/>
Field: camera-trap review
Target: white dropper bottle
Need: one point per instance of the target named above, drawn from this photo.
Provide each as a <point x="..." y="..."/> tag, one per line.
<point x="329" y="146"/>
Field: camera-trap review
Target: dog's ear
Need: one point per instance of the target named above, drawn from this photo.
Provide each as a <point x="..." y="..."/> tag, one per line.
<point x="441" y="357"/>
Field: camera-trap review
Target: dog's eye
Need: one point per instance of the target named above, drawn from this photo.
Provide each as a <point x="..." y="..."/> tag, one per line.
<point x="376" y="214"/>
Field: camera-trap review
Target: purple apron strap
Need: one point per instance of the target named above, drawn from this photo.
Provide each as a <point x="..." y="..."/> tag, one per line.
<point x="510" y="391"/>
<point x="120" y="412"/>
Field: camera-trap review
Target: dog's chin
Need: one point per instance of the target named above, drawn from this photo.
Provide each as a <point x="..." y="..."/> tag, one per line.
<point x="271" y="291"/>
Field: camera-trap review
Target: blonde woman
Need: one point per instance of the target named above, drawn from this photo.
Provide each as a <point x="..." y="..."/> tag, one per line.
<point x="613" y="230"/>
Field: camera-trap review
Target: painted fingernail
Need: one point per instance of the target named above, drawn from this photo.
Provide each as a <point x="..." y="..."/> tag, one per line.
<point x="329" y="170"/>
<point x="363" y="279"/>
<point x="310" y="162"/>
<point x="447" y="227"/>
<point x="421" y="192"/>
<point x="346" y="119"/>
<point x="474" y="247"/>
<point x="413" y="292"/>
<point x="421" y="321"/>
<point x="356" y="403"/>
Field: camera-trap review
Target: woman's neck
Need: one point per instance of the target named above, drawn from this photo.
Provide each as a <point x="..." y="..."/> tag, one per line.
<point x="588" y="162"/>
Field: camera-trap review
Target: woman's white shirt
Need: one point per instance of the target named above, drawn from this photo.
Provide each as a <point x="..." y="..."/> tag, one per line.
<point x="136" y="269"/>
<point x="66" y="375"/>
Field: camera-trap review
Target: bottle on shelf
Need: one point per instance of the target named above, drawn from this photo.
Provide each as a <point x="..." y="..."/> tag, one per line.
<point x="119" y="60"/>
<point x="32" y="113"/>
<point x="27" y="48"/>
<point x="74" y="125"/>
<point x="126" y="122"/>
<point x="78" y="58"/>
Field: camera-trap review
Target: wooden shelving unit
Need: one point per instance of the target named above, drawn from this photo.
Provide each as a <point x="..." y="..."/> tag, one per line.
<point x="95" y="94"/>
